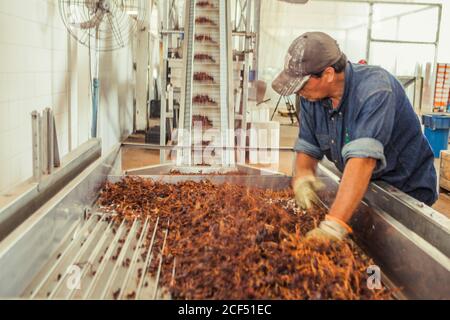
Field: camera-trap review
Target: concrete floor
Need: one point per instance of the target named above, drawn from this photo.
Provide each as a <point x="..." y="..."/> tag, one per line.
<point x="136" y="158"/>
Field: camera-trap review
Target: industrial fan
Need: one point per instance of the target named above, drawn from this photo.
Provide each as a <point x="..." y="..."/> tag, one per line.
<point x="102" y="25"/>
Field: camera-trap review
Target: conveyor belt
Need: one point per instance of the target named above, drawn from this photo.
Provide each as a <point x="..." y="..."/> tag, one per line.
<point x="206" y="84"/>
<point x="101" y="258"/>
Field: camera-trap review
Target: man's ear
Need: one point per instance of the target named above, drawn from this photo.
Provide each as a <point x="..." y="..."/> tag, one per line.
<point x="329" y="74"/>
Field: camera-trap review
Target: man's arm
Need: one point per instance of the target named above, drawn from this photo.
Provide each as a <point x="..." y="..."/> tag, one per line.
<point x="353" y="186"/>
<point x="304" y="165"/>
<point x="356" y="178"/>
<point x="363" y="156"/>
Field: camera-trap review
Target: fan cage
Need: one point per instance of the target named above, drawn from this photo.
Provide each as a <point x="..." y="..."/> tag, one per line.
<point x="115" y="25"/>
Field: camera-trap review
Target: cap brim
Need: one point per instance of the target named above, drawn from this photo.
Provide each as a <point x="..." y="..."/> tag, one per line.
<point x="285" y="85"/>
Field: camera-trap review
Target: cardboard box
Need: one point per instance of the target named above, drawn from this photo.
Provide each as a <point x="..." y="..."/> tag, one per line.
<point x="444" y="170"/>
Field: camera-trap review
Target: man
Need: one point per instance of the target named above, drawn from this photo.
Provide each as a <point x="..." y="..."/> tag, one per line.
<point x="360" y="118"/>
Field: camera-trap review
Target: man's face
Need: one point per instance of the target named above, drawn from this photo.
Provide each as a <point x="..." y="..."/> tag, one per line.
<point x="316" y="88"/>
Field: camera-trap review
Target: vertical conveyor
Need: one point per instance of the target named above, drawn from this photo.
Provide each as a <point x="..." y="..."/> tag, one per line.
<point x="206" y="132"/>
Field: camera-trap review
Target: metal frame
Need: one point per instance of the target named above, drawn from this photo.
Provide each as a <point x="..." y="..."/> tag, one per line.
<point x="226" y="81"/>
<point x="240" y="18"/>
<point x="371" y="3"/>
<point x="164" y="23"/>
<point x="247" y="23"/>
<point x="245" y="81"/>
<point x="169" y="21"/>
<point x="246" y="29"/>
<point x="375" y="40"/>
<point x="26" y="198"/>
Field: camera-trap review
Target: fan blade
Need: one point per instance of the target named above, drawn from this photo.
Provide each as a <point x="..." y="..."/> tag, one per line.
<point x="94" y="22"/>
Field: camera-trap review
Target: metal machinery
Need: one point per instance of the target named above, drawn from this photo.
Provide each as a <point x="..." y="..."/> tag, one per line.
<point x="65" y="237"/>
<point x="207" y="74"/>
<point x="54" y="234"/>
<point x="207" y="87"/>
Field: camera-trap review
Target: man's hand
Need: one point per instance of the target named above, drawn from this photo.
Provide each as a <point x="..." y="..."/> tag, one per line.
<point x="331" y="228"/>
<point x="305" y="189"/>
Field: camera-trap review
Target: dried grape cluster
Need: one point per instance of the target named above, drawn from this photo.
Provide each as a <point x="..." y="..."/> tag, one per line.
<point x="204" y="99"/>
<point x="203" y="76"/>
<point x="233" y="242"/>
<point x="205" y="4"/>
<point x="205" y="38"/>
<point x="203" y="120"/>
<point x="204" y="20"/>
<point x="204" y="57"/>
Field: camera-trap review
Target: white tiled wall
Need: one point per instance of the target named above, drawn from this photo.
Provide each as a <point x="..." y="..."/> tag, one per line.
<point x="41" y="66"/>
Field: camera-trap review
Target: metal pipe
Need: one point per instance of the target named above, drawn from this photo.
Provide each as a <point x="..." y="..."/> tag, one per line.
<point x="383" y="2"/>
<point x="163" y="80"/>
<point x="178" y="147"/>
<point x="402" y="41"/>
<point x="96" y="86"/>
<point x="233" y="33"/>
<point x="166" y="32"/>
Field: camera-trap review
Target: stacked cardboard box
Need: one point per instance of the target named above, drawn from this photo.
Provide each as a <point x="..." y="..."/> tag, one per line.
<point x="442" y="88"/>
<point x="444" y="172"/>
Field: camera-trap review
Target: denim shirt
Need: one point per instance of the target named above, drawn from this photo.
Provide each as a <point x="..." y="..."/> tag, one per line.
<point x="374" y="119"/>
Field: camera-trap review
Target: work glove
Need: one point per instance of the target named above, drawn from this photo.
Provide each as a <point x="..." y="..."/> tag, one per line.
<point x="331" y="228"/>
<point x="305" y="189"/>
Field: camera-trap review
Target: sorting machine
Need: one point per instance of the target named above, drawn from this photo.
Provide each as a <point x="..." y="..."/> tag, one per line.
<point x="63" y="249"/>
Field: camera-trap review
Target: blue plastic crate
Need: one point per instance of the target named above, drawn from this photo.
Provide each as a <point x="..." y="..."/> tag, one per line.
<point x="438" y="140"/>
<point x="436" y="121"/>
<point x="437" y="127"/>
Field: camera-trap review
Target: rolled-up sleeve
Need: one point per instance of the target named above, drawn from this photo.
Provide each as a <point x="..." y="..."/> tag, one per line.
<point x="373" y="128"/>
<point x="306" y="141"/>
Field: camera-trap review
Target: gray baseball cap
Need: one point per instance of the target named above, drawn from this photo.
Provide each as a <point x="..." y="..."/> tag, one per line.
<point x="310" y="53"/>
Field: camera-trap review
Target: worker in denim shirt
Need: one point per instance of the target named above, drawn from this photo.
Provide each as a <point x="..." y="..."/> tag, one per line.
<point x="360" y="118"/>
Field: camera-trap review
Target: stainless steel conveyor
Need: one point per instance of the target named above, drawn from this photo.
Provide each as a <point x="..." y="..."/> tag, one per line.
<point x="409" y="241"/>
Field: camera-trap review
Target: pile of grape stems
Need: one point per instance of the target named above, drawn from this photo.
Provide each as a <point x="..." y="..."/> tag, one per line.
<point x="235" y="242"/>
